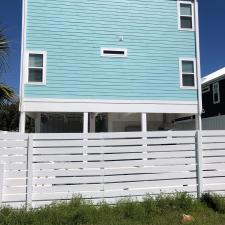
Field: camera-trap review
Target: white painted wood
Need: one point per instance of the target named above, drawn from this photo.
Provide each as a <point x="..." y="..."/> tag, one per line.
<point x="199" y="159"/>
<point x="29" y="171"/>
<point x="106" y="106"/>
<point x="112" y="166"/>
<point x="13" y="136"/>
<point x="218" y="139"/>
<point x="22" y="122"/>
<point x="1" y="181"/>
<point x="213" y="146"/>
<point x="85" y="123"/>
<point x="12" y="143"/>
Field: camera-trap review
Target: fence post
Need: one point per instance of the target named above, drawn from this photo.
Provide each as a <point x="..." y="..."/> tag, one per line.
<point x="29" y="188"/>
<point x="199" y="159"/>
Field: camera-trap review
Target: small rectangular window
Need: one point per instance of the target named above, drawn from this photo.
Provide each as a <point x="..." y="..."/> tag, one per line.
<point x="216" y="93"/>
<point x="114" y="52"/>
<point x="36" y="68"/>
<point x="187" y="73"/>
<point x="205" y="89"/>
<point x="186" y="18"/>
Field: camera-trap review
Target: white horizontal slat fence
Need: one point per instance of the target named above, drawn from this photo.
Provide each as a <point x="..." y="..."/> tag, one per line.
<point x="37" y="169"/>
<point x="214" y="161"/>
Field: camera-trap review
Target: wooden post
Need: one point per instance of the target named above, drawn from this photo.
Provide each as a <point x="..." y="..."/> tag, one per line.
<point x="29" y="188"/>
<point x="85" y="123"/>
<point x="199" y="161"/>
<point x="38" y="123"/>
<point x="92" y="122"/>
<point x="22" y="124"/>
<point x="144" y="122"/>
<point x="85" y="132"/>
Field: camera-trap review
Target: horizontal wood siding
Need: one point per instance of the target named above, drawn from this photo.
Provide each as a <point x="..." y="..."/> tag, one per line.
<point x="72" y="32"/>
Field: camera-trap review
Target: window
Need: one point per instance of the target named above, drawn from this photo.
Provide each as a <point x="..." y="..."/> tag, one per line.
<point x="36" y="68"/>
<point x="186" y="18"/>
<point x="187" y="73"/>
<point x="205" y="89"/>
<point x="216" y="93"/>
<point x="114" y="52"/>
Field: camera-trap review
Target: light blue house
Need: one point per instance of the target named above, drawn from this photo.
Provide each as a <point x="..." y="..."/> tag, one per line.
<point x="118" y="65"/>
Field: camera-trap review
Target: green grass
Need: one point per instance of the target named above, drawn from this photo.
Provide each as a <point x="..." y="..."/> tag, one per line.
<point x="162" y="210"/>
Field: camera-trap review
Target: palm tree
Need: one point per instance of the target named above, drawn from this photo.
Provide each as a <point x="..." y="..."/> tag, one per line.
<point x="6" y="93"/>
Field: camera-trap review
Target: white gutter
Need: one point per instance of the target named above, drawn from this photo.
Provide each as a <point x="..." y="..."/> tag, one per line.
<point x="22" y="69"/>
<point x="199" y="80"/>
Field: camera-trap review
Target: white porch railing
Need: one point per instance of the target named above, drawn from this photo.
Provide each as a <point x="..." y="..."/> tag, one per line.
<point x="37" y="169"/>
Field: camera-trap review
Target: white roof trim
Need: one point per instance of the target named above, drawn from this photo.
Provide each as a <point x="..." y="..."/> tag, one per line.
<point x="213" y="76"/>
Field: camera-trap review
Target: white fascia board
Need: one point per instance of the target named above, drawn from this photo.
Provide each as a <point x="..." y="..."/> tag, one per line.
<point x="100" y="106"/>
<point x="213" y="76"/>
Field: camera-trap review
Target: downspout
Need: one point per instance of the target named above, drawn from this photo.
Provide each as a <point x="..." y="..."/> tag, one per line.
<point x="198" y="65"/>
<point x="22" y="65"/>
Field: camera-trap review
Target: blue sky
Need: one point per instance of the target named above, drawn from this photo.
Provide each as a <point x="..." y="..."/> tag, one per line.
<point x="212" y="37"/>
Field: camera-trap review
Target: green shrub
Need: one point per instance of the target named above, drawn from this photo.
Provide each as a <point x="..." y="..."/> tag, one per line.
<point x="214" y="201"/>
<point x="160" y="210"/>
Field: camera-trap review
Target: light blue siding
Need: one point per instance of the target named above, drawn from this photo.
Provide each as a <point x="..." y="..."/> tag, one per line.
<point x="72" y="33"/>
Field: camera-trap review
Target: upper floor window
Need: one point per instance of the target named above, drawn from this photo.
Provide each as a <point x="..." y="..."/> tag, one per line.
<point x="187" y="73"/>
<point x="216" y="93"/>
<point x="186" y="15"/>
<point x="36" y="71"/>
<point x="114" y="52"/>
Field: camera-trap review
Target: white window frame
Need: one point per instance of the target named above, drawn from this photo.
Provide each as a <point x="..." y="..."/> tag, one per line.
<point x="181" y="73"/>
<point x="188" y="2"/>
<point x="114" y="55"/>
<point x="205" y="89"/>
<point x="44" y="67"/>
<point x="213" y="87"/>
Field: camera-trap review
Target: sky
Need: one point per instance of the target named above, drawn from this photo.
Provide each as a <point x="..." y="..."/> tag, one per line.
<point x="212" y="37"/>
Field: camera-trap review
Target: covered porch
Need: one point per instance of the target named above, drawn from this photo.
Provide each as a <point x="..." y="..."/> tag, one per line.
<point x="102" y="122"/>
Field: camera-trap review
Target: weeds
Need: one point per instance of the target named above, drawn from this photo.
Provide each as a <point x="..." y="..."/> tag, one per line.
<point x="161" y="210"/>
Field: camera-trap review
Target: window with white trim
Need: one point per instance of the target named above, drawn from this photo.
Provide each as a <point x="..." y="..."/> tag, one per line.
<point x="216" y="93"/>
<point x="114" y="52"/>
<point x="187" y="73"/>
<point x="205" y="89"/>
<point x="186" y="15"/>
<point x="36" y="68"/>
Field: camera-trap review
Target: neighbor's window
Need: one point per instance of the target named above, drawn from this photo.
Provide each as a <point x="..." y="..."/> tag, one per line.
<point x="216" y="93"/>
<point x="205" y="89"/>
<point x="186" y="18"/>
<point x="36" y="68"/>
<point x="188" y="73"/>
<point x="114" y="52"/>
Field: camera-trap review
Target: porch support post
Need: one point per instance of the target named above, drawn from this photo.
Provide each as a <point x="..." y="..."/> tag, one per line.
<point x="85" y="123"/>
<point x="92" y="122"/>
<point x="38" y="123"/>
<point x="22" y="122"/>
<point x="144" y="122"/>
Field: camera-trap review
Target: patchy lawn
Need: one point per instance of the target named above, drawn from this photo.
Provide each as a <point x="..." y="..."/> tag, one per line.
<point x="163" y="210"/>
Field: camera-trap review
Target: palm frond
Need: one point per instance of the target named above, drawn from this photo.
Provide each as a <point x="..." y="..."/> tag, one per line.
<point x="4" y="48"/>
<point x="6" y="94"/>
